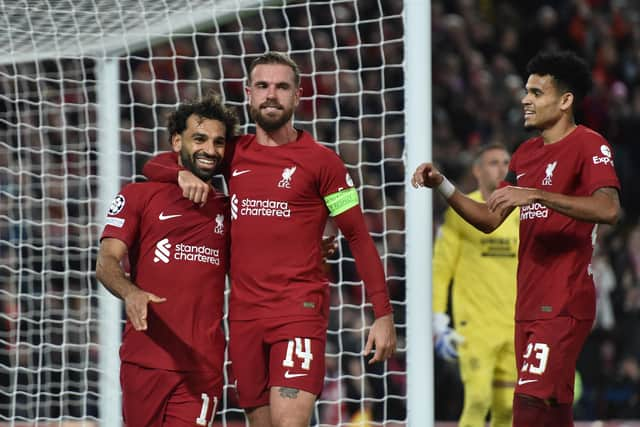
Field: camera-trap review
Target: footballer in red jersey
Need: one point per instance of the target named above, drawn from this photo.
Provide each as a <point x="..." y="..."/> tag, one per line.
<point x="555" y="282"/>
<point x="173" y="345"/>
<point x="565" y="184"/>
<point x="283" y="186"/>
<point x="556" y="249"/>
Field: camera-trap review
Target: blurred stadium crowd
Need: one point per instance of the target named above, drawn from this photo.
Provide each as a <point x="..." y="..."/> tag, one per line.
<point x="353" y="102"/>
<point x="350" y="55"/>
<point x="480" y="53"/>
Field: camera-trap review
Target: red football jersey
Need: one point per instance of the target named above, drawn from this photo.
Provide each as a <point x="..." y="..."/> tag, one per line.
<point x="278" y="211"/>
<point x="278" y="216"/>
<point x="554" y="274"/>
<point x="179" y="251"/>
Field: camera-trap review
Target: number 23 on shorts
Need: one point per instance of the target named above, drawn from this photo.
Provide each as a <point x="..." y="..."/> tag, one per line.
<point x="535" y="358"/>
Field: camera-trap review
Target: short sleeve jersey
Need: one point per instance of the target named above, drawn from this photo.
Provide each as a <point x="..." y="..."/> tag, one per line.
<point x="178" y="251"/>
<point x="554" y="271"/>
<point x="278" y="215"/>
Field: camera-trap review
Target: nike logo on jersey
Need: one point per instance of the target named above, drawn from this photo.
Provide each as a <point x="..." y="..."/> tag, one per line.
<point x="236" y="172"/>
<point x="288" y="375"/>
<point x="520" y="175"/>
<point x="523" y="382"/>
<point x="162" y="216"/>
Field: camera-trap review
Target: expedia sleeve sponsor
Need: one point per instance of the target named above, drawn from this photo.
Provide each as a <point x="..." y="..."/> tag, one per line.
<point x="607" y="159"/>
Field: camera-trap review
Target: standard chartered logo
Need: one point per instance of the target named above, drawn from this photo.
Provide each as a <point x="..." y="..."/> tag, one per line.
<point x="258" y="207"/>
<point x="184" y="252"/>
<point x="162" y="251"/>
<point x="234" y="207"/>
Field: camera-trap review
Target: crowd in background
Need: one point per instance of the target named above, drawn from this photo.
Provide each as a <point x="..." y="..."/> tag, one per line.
<point x="353" y="101"/>
<point x="480" y="52"/>
<point x="350" y="55"/>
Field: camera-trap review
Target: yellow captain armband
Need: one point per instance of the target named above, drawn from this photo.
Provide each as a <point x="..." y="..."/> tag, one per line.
<point x="341" y="201"/>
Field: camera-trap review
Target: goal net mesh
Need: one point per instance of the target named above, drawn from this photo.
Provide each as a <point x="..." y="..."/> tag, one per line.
<point x="351" y="56"/>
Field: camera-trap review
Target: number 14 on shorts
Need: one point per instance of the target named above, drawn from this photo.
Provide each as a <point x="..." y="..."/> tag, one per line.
<point x="302" y="352"/>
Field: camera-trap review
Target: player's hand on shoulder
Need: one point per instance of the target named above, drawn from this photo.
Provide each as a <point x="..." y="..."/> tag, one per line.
<point x="446" y="338"/>
<point x="193" y="188"/>
<point x="426" y="175"/>
<point x="382" y="337"/>
<point x="135" y="303"/>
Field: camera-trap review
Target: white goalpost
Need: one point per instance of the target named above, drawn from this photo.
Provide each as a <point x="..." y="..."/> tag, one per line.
<point x="419" y="215"/>
<point x="108" y="169"/>
<point x="85" y="89"/>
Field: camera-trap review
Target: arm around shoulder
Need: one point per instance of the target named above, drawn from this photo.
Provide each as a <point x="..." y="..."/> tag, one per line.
<point x="162" y="168"/>
<point x="165" y="168"/>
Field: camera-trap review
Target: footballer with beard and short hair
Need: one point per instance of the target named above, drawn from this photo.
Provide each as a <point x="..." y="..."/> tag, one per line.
<point x="283" y="186"/>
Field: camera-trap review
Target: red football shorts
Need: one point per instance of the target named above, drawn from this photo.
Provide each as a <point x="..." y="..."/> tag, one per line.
<point x="546" y="354"/>
<point x="276" y="352"/>
<point x="155" y="397"/>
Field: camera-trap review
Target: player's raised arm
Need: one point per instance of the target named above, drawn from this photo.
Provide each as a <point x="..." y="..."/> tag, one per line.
<point x="110" y="273"/>
<point x="475" y="213"/>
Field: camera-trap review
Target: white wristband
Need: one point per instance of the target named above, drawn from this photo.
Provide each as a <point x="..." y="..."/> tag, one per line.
<point x="446" y="188"/>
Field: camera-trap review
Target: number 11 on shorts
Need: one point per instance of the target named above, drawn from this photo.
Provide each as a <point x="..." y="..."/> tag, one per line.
<point x="202" y="419"/>
<point x="302" y="353"/>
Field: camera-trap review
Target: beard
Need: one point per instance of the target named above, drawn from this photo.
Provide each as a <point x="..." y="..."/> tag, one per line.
<point x="189" y="162"/>
<point x="267" y="123"/>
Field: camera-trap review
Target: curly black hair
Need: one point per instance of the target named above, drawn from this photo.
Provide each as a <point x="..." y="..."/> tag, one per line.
<point x="569" y="71"/>
<point x="208" y="107"/>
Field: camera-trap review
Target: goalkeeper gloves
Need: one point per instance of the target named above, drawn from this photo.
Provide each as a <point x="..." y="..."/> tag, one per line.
<point x="446" y="338"/>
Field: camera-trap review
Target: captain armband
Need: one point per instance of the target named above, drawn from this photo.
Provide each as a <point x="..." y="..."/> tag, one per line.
<point x="341" y="201"/>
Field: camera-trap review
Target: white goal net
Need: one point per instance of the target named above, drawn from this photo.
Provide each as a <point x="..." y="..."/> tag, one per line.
<point x="52" y="183"/>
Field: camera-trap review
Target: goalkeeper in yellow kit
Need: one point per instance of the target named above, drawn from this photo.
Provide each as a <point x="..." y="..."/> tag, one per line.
<point x="482" y="268"/>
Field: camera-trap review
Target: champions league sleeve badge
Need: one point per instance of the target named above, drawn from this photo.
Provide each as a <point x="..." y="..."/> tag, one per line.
<point x="117" y="205"/>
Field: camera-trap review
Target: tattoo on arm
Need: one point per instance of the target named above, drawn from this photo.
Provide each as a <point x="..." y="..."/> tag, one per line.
<point x="566" y="208"/>
<point x="610" y="192"/>
<point x="289" y="393"/>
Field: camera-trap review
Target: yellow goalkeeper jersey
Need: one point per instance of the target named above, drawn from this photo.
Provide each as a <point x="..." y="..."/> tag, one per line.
<point x="482" y="268"/>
